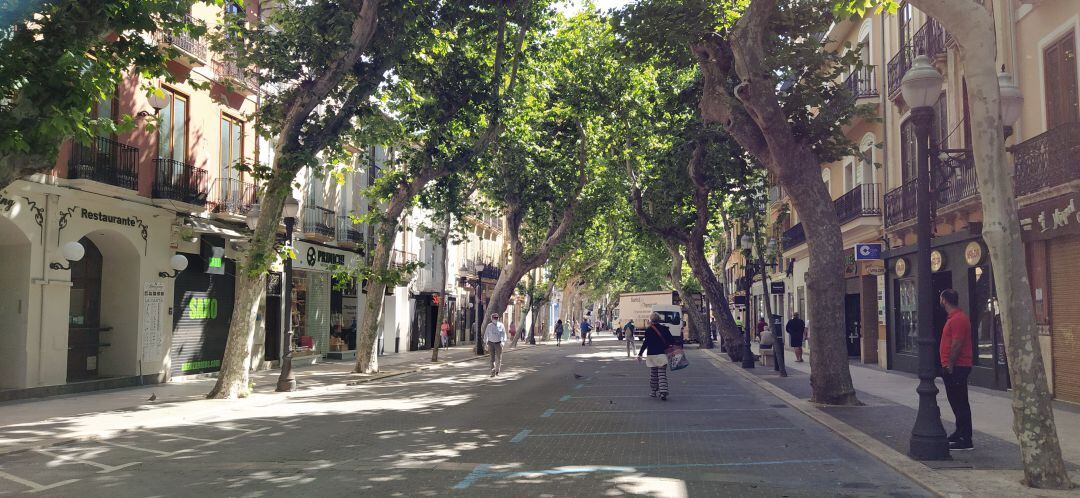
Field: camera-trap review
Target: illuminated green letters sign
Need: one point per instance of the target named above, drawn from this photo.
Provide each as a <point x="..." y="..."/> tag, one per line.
<point x="204" y="308"/>
<point x="215" y="263"/>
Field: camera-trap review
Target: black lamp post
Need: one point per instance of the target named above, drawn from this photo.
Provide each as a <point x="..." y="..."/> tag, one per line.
<point x="286" y="379"/>
<point x="921" y="87"/>
<point x="748" y="278"/>
<point x="478" y="322"/>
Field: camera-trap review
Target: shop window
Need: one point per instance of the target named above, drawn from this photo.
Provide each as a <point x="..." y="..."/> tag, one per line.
<point x="985" y="323"/>
<point x="907" y="317"/>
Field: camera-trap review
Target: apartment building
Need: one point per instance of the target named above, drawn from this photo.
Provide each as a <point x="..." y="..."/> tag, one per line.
<point x="475" y="262"/>
<point x="95" y="296"/>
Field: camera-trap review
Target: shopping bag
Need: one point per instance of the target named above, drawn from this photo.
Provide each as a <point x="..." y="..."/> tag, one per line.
<point x="676" y="358"/>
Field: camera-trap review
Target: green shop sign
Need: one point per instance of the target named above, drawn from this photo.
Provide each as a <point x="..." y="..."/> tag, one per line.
<point x="203" y="308"/>
<point x="199" y="365"/>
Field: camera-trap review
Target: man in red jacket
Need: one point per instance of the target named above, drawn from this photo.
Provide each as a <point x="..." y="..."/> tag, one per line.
<point x="956" y="361"/>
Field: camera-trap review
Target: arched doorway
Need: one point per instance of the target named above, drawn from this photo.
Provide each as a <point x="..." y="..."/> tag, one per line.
<point x="84" y="314"/>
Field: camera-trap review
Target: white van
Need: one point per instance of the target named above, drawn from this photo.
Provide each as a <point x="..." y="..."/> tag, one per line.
<point x="671" y="316"/>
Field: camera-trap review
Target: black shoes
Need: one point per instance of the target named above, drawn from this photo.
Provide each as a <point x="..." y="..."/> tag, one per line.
<point x="961" y="446"/>
<point x="663" y="396"/>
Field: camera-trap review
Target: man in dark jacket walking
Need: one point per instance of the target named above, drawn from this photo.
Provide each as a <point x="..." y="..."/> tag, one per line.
<point x="796" y="327"/>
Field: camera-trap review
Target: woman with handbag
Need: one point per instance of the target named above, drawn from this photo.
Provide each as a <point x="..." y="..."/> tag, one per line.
<point x="657" y="340"/>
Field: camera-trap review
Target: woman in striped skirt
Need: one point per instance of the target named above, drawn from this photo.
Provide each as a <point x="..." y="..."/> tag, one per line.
<point x="657" y="339"/>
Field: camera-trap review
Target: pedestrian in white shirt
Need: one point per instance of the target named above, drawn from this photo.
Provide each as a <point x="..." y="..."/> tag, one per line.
<point x="495" y="334"/>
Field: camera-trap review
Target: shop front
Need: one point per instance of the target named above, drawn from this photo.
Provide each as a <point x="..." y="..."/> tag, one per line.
<point x="1052" y="238"/>
<point x="324" y="312"/>
<point x="203" y="304"/>
<point x="97" y="320"/>
<point x="958" y="261"/>
<point x="861" y="306"/>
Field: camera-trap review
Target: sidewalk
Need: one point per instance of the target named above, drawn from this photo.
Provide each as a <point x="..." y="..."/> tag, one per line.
<point x="39" y="422"/>
<point x="883" y="428"/>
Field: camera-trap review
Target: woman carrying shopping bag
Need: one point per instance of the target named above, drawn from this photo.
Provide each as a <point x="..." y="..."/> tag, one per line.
<point x="656" y="342"/>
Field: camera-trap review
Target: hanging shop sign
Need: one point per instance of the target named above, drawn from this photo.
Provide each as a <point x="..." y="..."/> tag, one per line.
<point x="900" y="267"/>
<point x="776" y="288"/>
<point x="1051" y="218"/>
<point x="973" y="253"/>
<point x="937" y="260"/>
<point x="874" y="268"/>
<point x="315" y="257"/>
<point x="865" y="252"/>
<point x="213" y="252"/>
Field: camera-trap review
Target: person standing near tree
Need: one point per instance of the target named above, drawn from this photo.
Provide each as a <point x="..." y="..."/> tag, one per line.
<point x="495" y="335"/>
<point x="956" y="362"/>
<point x="444" y="332"/>
<point x="796" y="327"/>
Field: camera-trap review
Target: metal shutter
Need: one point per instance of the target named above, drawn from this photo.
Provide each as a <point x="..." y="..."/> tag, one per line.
<point x="318" y="310"/>
<point x="1064" y="255"/>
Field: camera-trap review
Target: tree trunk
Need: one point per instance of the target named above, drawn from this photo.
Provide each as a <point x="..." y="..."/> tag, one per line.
<point x="717" y="296"/>
<point x="367" y="357"/>
<point x="444" y="239"/>
<point x="232" y="381"/>
<point x="830" y="377"/>
<point x="1033" y="417"/>
<point x="693" y="315"/>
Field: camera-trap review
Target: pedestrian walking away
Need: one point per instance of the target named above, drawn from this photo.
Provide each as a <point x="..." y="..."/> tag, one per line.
<point x="495" y="334"/>
<point x="628" y="335"/>
<point x="796" y="327"/>
<point x="657" y="339"/>
<point x="444" y="333"/>
<point x="956" y="362"/>
<point x="558" y="332"/>
<point x="585" y="329"/>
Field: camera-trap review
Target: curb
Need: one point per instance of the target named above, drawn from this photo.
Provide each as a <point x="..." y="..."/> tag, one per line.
<point x="932" y="480"/>
<point x="93" y="437"/>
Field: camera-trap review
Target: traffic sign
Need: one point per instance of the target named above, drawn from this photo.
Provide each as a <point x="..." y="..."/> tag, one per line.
<point x="868" y="252"/>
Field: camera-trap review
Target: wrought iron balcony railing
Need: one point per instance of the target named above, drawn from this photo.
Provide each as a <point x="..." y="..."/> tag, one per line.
<point x="229" y="70"/>
<point x="861" y="83"/>
<point x="180" y="181"/>
<point x="793" y="237"/>
<point x="857" y="202"/>
<point x="929" y="40"/>
<point x="106" y="161"/>
<point x="347" y="231"/>
<point x="230" y="195"/>
<point x="953" y="180"/>
<point x="398" y="259"/>
<point x="184" y="41"/>
<point x="1047" y="160"/>
<point x="319" y="220"/>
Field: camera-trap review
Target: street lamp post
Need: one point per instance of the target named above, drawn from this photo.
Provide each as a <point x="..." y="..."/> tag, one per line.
<point x="286" y="379"/>
<point x="479" y="320"/>
<point x="747" y="246"/>
<point x="921" y="87"/>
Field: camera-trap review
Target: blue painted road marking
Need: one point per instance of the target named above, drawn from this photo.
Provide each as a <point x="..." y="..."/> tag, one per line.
<point x="564" y="398"/>
<point x="577" y="434"/>
<point x="547" y="413"/>
<point x="521" y="436"/>
<point x="477" y="473"/>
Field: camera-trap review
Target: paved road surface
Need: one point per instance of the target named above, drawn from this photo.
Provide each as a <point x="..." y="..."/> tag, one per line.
<point x="535" y="430"/>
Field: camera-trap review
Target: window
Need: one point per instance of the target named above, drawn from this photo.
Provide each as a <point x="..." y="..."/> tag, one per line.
<point x="802" y="303"/>
<point x="907" y="317"/>
<point x="172" y="129"/>
<point x="826" y="176"/>
<point x="1059" y="74"/>
<point x="909" y="151"/>
<point x="105" y="109"/>
<point x="849" y="176"/>
<point x="864" y="171"/>
<point x="232" y="145"/>
<point x="903" y="24"/>
<point x="940" y="133"/>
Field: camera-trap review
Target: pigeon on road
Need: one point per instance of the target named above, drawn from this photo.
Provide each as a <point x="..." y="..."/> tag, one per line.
<point x="576" y="376"/>
<point x="153" y="397"/>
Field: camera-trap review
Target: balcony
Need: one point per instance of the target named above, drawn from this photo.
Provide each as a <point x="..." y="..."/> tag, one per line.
<point x="232" y="75"/>
<point x="398" y="259"/>
<point x="190" y="46"/>
<point x="319" y="221"/>
<point x="105" y="161"/>
<point x="858" y="202"/>
<point x="793" y="237"/>
<point x="954" y="180"/>
<point x="1047" y="160"/>
<point x="180" y="181"/>
<point x="347" y="231"/>
<point x="862" y="84"/>
<point x="929" y="40"/>
<point x="232" y="196"/>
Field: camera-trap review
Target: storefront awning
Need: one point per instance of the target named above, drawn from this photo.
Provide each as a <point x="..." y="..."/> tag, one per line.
<point x="206" y="226"/>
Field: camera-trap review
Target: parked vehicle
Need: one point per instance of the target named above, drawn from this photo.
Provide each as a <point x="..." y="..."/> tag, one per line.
<point x="638" y="306"/>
